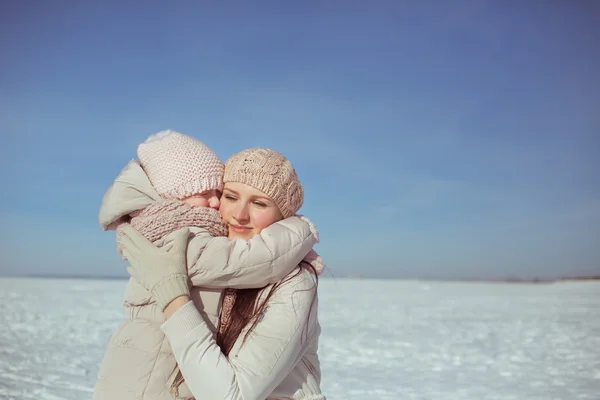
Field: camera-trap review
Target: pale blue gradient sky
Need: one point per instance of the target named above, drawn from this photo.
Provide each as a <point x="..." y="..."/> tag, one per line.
<point x="434" y="139"/>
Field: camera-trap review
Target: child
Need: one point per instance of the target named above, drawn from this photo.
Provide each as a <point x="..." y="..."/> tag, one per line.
<point x="174" y="185"/>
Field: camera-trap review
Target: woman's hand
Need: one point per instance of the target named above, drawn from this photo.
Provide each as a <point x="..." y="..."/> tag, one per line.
<point x="163" y="271"/>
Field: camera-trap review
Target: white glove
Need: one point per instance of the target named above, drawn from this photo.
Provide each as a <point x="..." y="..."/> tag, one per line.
<point x="161" y="270"/>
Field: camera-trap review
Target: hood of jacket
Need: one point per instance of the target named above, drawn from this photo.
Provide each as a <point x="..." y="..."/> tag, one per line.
<point x="131" y="191"/>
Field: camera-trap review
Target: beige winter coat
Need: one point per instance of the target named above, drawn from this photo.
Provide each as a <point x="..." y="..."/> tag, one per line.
<point x="139" y="362"/>
<point x="277" y="361"/>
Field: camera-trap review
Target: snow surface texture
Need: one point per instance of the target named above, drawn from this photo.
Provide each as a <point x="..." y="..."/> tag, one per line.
<point x="380" y="340"/>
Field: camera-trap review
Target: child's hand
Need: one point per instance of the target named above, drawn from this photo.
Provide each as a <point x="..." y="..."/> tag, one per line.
<point x="163" y="271"/>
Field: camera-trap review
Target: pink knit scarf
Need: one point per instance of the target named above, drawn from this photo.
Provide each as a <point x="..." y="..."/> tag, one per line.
<point x="158" y="220"/>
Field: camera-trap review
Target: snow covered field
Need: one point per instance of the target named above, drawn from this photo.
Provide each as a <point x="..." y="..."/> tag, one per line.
<point x="381" y="339"/>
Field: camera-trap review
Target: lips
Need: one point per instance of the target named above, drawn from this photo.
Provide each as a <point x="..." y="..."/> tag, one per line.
<point x="239" y="228"/>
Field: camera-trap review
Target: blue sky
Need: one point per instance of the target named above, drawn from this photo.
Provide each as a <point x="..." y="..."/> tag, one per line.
<point x="434" y="139"/>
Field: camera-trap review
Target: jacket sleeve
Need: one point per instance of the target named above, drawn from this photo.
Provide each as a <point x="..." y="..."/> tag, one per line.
<point x="254" y="369"/>
<point x="266" y="258"/>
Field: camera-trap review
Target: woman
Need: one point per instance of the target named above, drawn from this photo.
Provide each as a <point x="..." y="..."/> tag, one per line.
<point x="267" y="342"/>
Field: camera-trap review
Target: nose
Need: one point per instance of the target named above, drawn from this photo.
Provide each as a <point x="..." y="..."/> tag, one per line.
<point x="214" y="202"/>
<point x="241" y="213"/>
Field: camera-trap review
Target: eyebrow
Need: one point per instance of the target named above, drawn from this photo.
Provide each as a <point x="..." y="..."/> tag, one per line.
<point x="265" y="198"/>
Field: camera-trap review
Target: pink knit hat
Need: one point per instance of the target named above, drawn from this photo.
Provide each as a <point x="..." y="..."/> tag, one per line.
<point x="270" y="172"/>
<point x="179" y="165"/>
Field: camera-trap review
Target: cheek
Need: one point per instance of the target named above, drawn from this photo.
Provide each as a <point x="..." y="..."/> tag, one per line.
<point x="224" y="209"/>
<point x="197" y="202"/>
<point x="263" y="218"/>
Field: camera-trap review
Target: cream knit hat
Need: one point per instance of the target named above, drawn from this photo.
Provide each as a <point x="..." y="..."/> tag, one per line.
<point x="270" y="172"/>
<point x="179" y="165"/>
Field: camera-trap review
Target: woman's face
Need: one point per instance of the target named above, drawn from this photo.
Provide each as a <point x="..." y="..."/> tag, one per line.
<point x="247" y="210"/>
